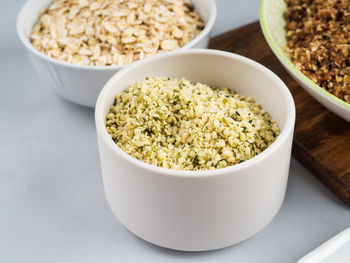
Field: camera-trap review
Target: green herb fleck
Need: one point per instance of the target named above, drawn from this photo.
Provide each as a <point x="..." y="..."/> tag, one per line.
<point x="140" y="148"/>
<point x="195" y="161"/>
<point x="234" y="117"/>
<point x="149" y="131"/>
<point x="253" y="146"/>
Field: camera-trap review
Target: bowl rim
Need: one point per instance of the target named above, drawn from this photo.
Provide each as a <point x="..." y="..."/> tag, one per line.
<point x="105" y="138"/>
<point x="281" y="54"/>
<point x="25" y="40"/>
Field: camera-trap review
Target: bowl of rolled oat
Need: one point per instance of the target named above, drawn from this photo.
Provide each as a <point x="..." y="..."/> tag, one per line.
<point x="76" y="46"/>
<point x="195" y="147"/>
<point x="311" y="40"/>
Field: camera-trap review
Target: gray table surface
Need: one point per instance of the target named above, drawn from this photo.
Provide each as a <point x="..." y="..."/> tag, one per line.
<point x="52" y="204"/>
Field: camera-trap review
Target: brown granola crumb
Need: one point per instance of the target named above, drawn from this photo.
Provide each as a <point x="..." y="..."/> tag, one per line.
<point x="318" y="35"/>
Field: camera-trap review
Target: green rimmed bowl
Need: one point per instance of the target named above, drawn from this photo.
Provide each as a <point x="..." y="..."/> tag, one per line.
<point x="272" y="23"/>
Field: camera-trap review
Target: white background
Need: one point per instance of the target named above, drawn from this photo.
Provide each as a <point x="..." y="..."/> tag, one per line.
<point x="52" y="205"/>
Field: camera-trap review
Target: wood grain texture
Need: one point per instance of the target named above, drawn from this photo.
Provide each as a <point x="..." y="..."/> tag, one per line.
<point x="321" y="138"/>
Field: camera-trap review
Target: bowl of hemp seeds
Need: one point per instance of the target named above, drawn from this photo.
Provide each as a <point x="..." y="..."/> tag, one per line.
<point x="194" y="154"/>
<point x="77" y="45"/>
<point x="311" y="40"/>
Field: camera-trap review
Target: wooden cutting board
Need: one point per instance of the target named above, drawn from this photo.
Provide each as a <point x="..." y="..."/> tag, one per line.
<point x="321" y="138"/>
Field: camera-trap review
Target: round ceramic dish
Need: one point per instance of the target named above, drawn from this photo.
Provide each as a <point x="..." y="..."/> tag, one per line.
<point x="82" y="84"/>
<point x="272" y="24"/>
<point x="335" y="250"/>
<point x="198" y="210"/>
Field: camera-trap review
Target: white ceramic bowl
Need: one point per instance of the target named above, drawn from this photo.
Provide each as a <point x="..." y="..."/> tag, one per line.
<point x="335" y="250"/>
<point x="272" y="24"/>
<point x="199" y="210"/>
<point x="82" y="84"/>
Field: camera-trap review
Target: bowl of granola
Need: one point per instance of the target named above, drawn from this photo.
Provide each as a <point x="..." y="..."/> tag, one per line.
<point x="194" y="155"/>
<point x="310" y="39"/>
<point x="76" y="46"/>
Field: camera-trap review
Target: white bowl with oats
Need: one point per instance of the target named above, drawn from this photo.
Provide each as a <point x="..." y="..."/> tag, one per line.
<point x="190" y="166"/>
<point x="76" y="46"/>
